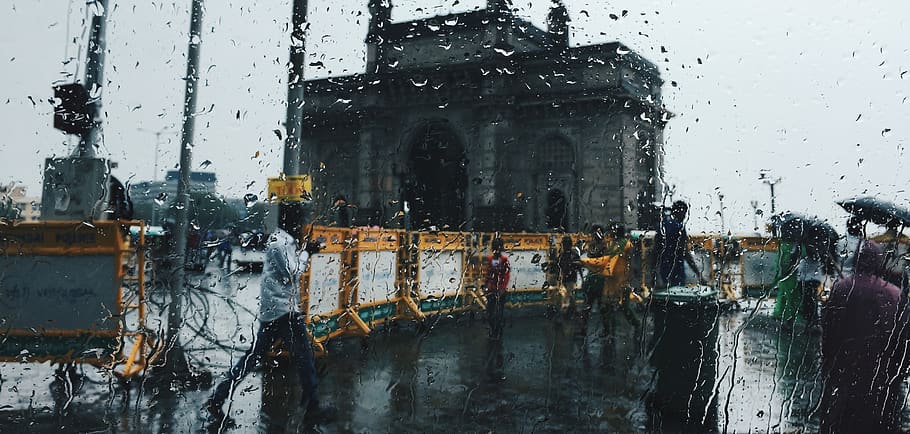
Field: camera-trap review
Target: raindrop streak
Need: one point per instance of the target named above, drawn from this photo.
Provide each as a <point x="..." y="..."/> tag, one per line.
<point x="250" y="199"/>
<point x="505" y="52"/>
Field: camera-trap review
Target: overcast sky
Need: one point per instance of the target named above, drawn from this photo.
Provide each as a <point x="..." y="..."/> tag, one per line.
<point x="814" y="91"/>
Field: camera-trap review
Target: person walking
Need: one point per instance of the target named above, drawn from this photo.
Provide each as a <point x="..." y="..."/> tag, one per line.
<point x="496" y="282"/>
<point x="279" y="318"/>
<point x="225" y="252"/>
<point x="864" y="347"/>
<point x="616" y="289"/>
<point x="569" y="266"/>
<point x="671" y="249"/>
<point x="593" y="283"/>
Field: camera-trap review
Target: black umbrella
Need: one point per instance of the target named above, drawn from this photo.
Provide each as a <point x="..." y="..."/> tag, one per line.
<point x="876" y="210"/>
<point x="800" y="228"/>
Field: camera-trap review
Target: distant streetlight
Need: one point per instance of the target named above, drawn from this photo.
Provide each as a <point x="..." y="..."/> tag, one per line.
<point x="157" y="134"/>
<point x="720" y="198"/>
<point x="765" y="176"/>
<point x="754" y="204"/>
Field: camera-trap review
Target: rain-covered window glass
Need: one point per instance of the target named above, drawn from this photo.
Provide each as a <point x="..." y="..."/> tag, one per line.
<point x="454" y="215"/>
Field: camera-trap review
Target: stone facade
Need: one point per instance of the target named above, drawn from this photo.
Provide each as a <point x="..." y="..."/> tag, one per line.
<point x="480" y="120"/>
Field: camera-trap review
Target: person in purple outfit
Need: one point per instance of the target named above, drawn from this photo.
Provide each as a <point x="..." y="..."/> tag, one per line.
<point x="864" y="342"/>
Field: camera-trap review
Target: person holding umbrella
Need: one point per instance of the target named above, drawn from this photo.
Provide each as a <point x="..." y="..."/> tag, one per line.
<point x="802" y="271"/>
<point x="895" y="218"/>
<point x="864" y="347"/>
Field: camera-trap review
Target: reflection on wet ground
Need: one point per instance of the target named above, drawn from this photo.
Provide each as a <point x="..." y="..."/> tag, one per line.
<point x="444" y="375"/>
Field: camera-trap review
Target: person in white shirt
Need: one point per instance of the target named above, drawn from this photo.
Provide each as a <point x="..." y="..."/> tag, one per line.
<point x="279" y="318"/>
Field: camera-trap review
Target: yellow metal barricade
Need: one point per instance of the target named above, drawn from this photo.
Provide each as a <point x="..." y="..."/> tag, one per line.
<point x="379" y="266"/>
<point x="441" y="270"/>
<point x="325" y="298"/>
<point x="74" y="292"/>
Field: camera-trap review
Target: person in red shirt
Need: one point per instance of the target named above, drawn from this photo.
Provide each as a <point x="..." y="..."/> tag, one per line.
<point x="496" y="281"/>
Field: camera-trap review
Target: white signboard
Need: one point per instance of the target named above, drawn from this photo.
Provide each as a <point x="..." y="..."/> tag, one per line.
<point x="376" y="277"/>
<point x="525" y="273"/>
<point x="440" y="273"/>
<point x="325" y="283"/>
<point x="58" y="292"/>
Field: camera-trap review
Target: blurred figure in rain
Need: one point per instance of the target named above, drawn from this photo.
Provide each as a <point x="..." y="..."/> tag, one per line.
<point x="671" y="248"/>
<point x="616" y="289"/>
<point x="279" y="318"/>
<point x="787" y="304"/>
<point x="342" y="211"/>
<point x="864" y="350"/>
<point x="814" y="266"/>
<point x="849" y="244"/>
<point x="896" y="245"/>
<point x="225" y="252"/>
<point x="568" y="264"/>
<point x="496" y="281"/>
<point x="593" y="284"/>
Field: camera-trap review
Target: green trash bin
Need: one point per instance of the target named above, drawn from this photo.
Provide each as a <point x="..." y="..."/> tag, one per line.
<point x="684" y="355"/>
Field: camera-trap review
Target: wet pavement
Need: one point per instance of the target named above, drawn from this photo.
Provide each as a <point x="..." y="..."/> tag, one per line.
<point x="441" y="376"/>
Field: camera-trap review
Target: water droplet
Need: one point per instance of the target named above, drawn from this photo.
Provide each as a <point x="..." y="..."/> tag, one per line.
<point x="419" y="82"/>
<point x="622" y="50"/>
<point x="506" y="52"/>
<point x="250" y="199"/>
<point x="161" y="198"/>
<point x="205" y="164"/>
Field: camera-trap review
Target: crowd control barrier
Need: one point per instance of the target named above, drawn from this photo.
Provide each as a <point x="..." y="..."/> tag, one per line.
<point x="74" y="292"/>
<point x="366" y="277"/>
<point x="527" y="253"/>
<point x="325" y="300"/>
<point x="380" y="260"/>
<point x="441" y="270"/>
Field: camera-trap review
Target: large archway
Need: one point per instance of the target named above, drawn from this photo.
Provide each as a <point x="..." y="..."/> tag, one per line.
<point x="437" y="179"/>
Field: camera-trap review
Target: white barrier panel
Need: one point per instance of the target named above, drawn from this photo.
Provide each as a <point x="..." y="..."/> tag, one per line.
<point x="440" y="273"/>
<point x="376" y="277"/>
<point x="59" y="292"/>
<point x="325" y="283"/>
<point x="759" y="268"/>
<point x="525" y="273"/>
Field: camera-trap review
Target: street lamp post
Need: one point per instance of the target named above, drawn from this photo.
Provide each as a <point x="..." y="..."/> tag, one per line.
<point x="157" y="134"/>
<point x="766" y="177"/>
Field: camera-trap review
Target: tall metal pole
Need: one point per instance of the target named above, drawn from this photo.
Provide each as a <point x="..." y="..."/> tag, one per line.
<point x="176" y="358"/>
<point x="94" y="78"/>
<point x="294" y="119"/>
